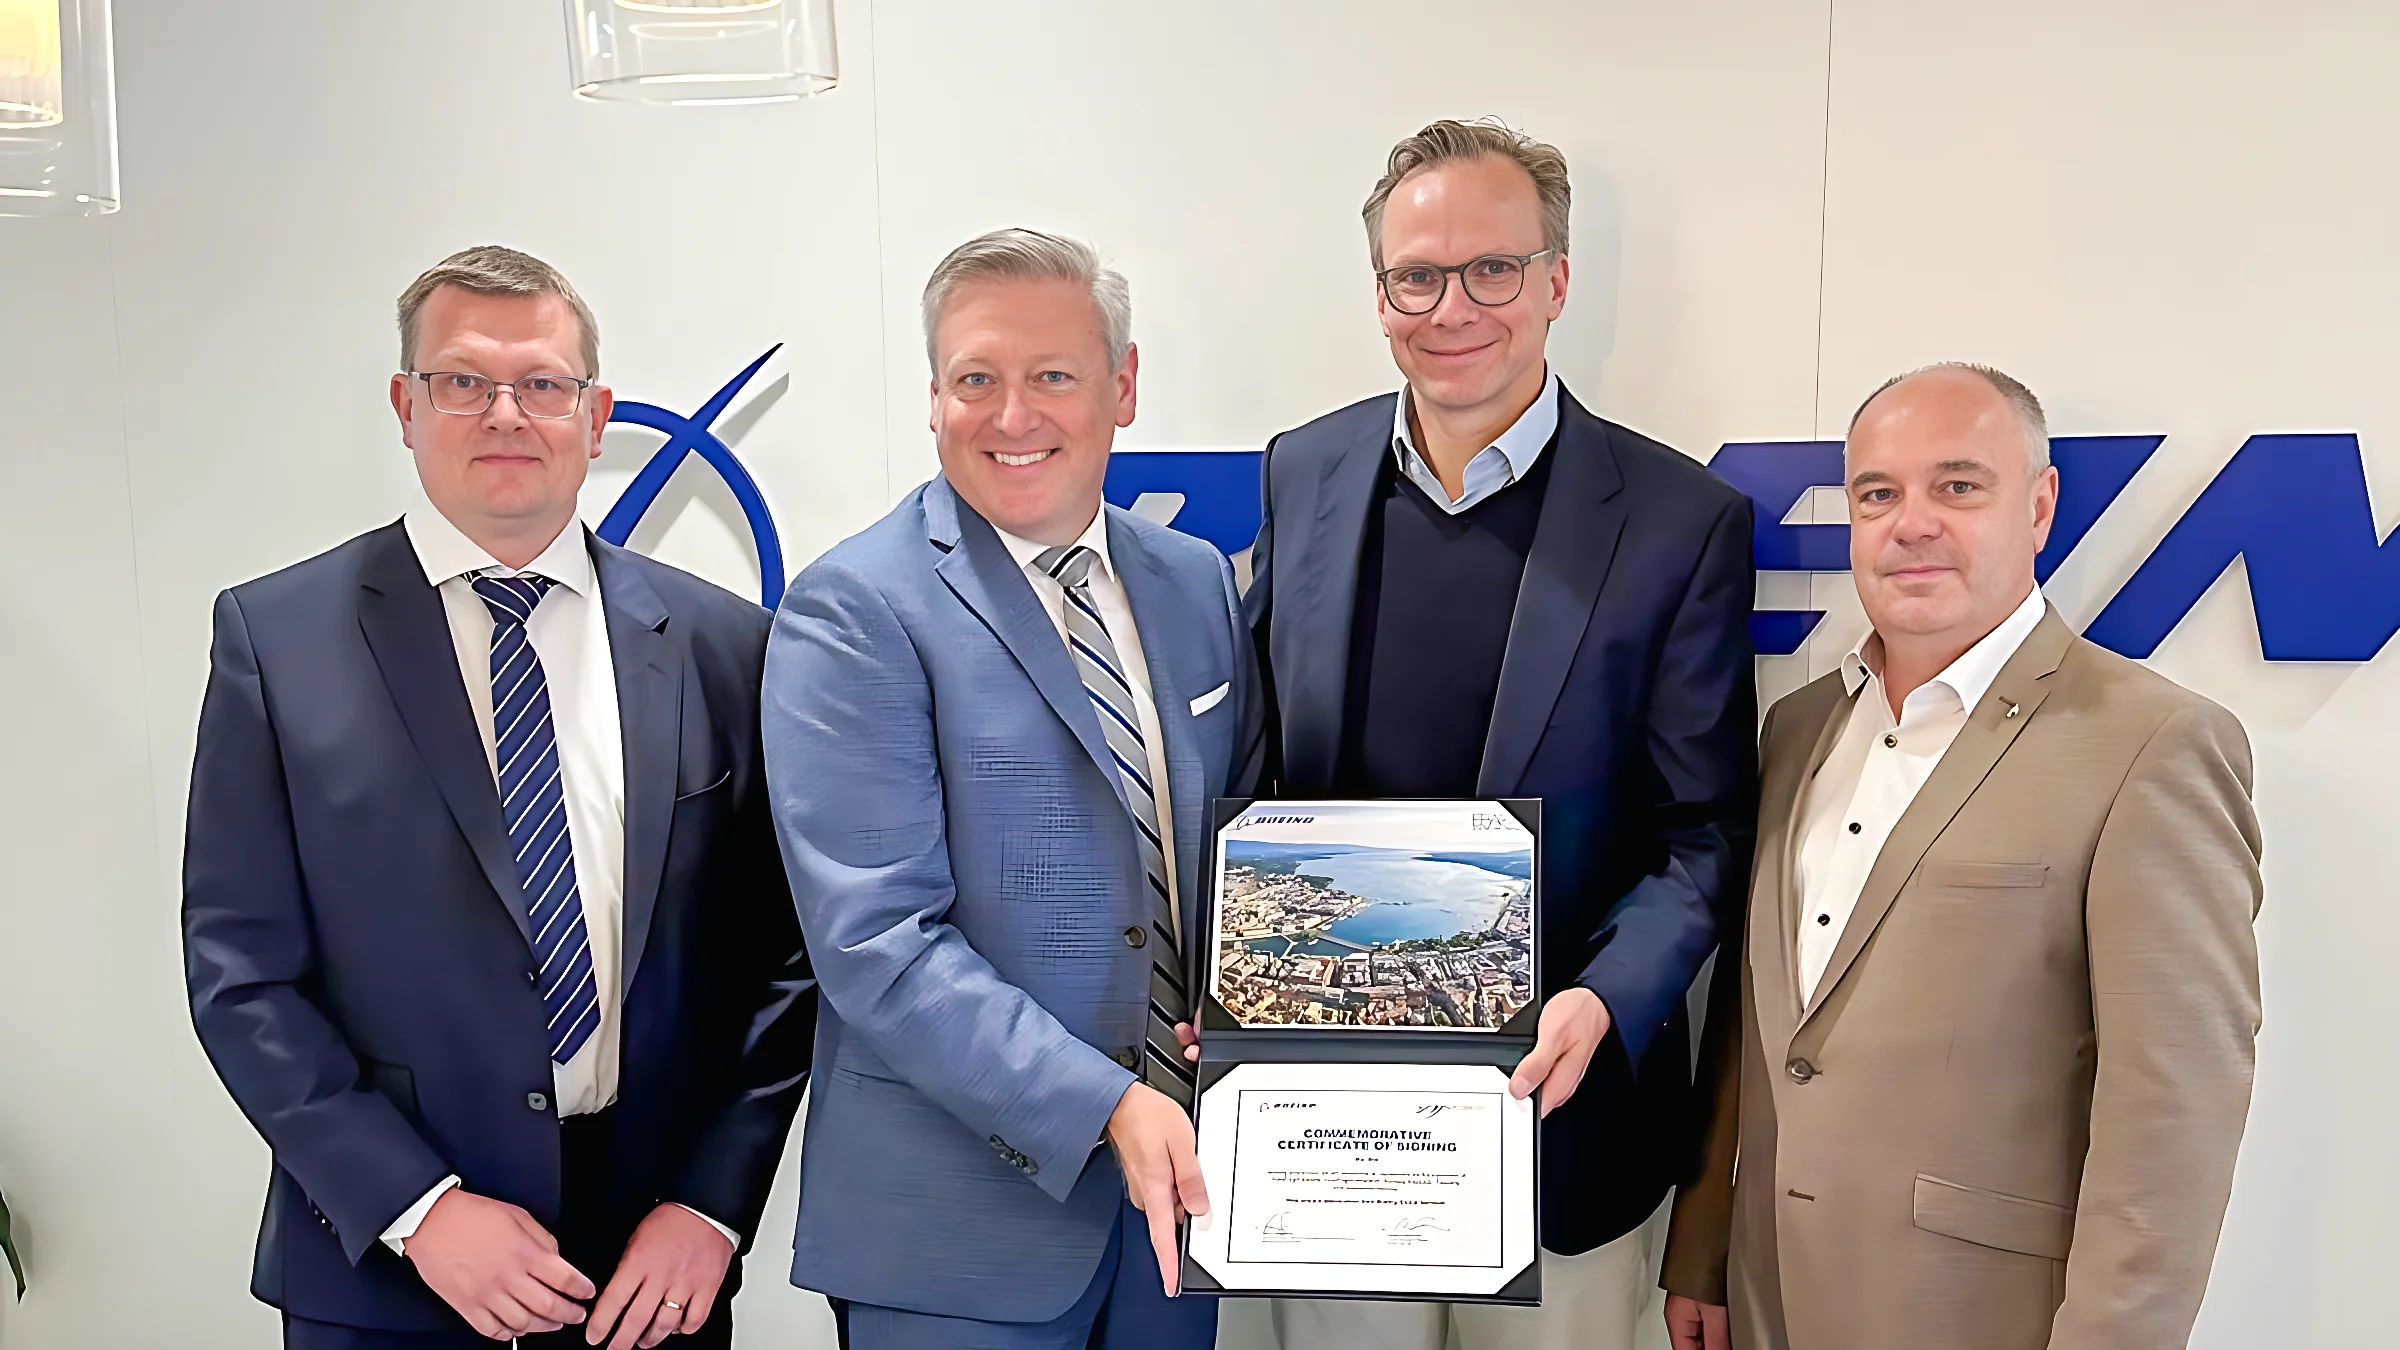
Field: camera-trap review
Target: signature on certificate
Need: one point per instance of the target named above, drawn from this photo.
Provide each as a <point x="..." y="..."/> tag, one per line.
<point x="1278" y="1228"/>
<point x="1415" y="1225"/>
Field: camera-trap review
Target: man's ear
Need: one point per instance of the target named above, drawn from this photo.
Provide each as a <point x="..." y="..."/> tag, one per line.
<point x="401" y="395"/>
<point x="2045" y="507"/>
<point x="604" y="407"/>
<point x="1126" y="385"/>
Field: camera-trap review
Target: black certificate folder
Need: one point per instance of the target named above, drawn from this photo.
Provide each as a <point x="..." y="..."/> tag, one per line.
<point x="1367" y="980"/>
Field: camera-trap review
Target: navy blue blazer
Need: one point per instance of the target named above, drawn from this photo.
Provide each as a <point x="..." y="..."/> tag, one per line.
<point x="355" y="937"/>
<point x="1627" y="703"/>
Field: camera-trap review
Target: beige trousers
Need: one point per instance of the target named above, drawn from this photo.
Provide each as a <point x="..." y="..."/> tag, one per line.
<point x="1601" y="1300"/>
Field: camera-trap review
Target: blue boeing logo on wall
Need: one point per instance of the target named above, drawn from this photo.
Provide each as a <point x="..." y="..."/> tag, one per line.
<point x="2294" y="507"/>
<point x="692" y="435"/>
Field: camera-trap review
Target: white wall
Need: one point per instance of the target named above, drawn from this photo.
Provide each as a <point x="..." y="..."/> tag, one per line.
<point x="2167" y="219"/>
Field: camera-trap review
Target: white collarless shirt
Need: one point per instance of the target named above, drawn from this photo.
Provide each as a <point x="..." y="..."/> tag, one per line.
<point x="1495" y="466"/>
<point x="1874" y="772"/>
<point x="1116" y="615"/>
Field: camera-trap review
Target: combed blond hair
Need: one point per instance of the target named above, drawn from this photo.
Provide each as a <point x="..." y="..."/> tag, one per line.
<point x="1030" y="255"/>
<point x="491" y="269"/>
<point x="1448" y="142"/>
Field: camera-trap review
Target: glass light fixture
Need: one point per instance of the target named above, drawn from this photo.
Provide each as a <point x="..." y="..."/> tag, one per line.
<point x="700" y="53"/>
<point x="58" y="109"/>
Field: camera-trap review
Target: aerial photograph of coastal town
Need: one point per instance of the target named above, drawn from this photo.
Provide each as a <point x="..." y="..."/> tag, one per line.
<point x="1400" y="915"/>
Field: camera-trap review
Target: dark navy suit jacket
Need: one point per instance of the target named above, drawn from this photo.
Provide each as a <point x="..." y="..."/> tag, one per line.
<point x="355" y="937"/>
<point x="1626" y="703"/>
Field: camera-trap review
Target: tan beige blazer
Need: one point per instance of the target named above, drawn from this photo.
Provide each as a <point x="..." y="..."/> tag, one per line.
<point x="2008" y="1118"/>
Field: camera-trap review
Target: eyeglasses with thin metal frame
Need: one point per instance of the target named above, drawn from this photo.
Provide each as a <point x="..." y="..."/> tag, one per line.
<point x="467" y="394"/>
<point x="1491" y="280"/>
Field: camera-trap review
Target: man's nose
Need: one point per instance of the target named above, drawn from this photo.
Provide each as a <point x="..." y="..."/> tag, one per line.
<point x="505" y="414"/>
<point x="1017" y="415"/>
<point x="1456" y="307"/>
<point x="1918" y="518"/>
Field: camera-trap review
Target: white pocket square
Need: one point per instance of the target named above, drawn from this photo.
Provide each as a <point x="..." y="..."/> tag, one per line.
<point x="1211" y="699"/>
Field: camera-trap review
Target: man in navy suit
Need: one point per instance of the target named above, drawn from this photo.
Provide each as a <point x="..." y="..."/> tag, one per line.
<point x="1475" y="587"/>
<point x="993" y="723"/>
<point x="483" y="920"/>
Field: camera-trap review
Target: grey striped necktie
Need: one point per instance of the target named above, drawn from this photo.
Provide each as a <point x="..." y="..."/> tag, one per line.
<point x="1161" y="1063"/>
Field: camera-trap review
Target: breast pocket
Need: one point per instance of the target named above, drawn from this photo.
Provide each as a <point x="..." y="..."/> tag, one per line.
<point x="1944" y="876"/>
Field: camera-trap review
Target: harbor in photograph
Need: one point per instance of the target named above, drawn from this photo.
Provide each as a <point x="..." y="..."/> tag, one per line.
<point x="1340" y="934"/>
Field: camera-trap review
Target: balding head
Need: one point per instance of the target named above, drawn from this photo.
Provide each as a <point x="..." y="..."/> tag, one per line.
<point x="2032" y="423"/>
<point x="1951" y="497"/>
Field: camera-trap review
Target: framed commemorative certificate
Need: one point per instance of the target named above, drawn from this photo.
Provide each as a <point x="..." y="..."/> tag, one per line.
<point x="1368" y="986"/>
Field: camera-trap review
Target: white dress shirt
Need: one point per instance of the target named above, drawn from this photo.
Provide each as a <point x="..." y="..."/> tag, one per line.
<point x="569" y="632"/>
<point x="1874" y="771"/>
<point x="1495" y="466"/>
<point x="1116" y="615"/>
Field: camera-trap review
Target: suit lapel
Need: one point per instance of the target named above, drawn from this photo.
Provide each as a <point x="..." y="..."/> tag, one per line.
<point x="1993" y="726"/>
<point x="1573" y="544"/>
<point x="977" y="568"/>
<point x="1312" y="667"/>
<point x="1166" y="633"/>
<point x="649" y="669"/>
<point x="409" y="635"/>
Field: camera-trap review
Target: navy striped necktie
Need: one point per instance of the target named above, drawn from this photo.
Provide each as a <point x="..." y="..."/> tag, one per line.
<point x="534" y="804"/>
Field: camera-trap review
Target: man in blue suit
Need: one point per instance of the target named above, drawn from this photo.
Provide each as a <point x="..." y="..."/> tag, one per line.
<point x="994" y="720"/>
<point x="483" y="921"/>
<point x="1477" y="588"/>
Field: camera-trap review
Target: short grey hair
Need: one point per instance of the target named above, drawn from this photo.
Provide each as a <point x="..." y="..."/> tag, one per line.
<point x="1030" y="255"/>
<point x="491" y="269"/>
<point x="1448" y="142"/>
<point x="2012" y="391"/>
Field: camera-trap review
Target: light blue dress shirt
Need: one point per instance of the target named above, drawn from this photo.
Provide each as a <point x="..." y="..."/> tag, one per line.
<point x="1495" y="466"/>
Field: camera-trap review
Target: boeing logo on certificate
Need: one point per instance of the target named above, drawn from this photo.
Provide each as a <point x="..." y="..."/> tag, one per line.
<point x="2324" y="584"/>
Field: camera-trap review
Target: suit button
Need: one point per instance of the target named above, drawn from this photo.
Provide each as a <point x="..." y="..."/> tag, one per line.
<point x="536" y="1101"/>
<point x="1135" y="937"/>
<point x="1128" y="1057"/>
<point x="1800" y="1070"/>
<point x="534" y="978"/>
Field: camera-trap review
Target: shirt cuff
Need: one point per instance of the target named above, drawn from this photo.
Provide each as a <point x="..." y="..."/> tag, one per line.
<point x="730" y="1235"/>
<point x="405" y="1227"/>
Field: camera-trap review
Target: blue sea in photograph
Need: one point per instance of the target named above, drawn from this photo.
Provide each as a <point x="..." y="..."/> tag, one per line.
<point x="1417" y="897"/>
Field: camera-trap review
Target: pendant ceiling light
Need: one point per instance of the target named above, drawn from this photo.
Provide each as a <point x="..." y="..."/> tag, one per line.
<point x="700" y="52"/>
<point x="58" y="109"/>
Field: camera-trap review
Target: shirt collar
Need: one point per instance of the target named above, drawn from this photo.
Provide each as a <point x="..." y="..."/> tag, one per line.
<point x="1520" y="445"/>
<point x="1094" y="537"/>
<point x="445" y="551"/>
<point x="1971" y="675"/>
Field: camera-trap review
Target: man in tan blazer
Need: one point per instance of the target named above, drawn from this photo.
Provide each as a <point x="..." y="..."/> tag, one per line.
<point x="1983" y="1056"/>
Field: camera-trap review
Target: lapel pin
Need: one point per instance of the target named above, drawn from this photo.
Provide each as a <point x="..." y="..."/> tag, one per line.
<point x="2012" y="711"/>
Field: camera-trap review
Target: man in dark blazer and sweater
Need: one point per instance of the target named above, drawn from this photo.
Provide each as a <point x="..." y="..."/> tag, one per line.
<point x="484" y="923"/>
<point x="1478" y="588"/>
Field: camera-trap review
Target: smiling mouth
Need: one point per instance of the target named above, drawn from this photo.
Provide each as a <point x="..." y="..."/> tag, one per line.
<point x="1460" y="351"/>
<point x="1020" y="461"/>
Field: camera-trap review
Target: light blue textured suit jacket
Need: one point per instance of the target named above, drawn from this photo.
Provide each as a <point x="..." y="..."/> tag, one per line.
<point x="965" y="872"/>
